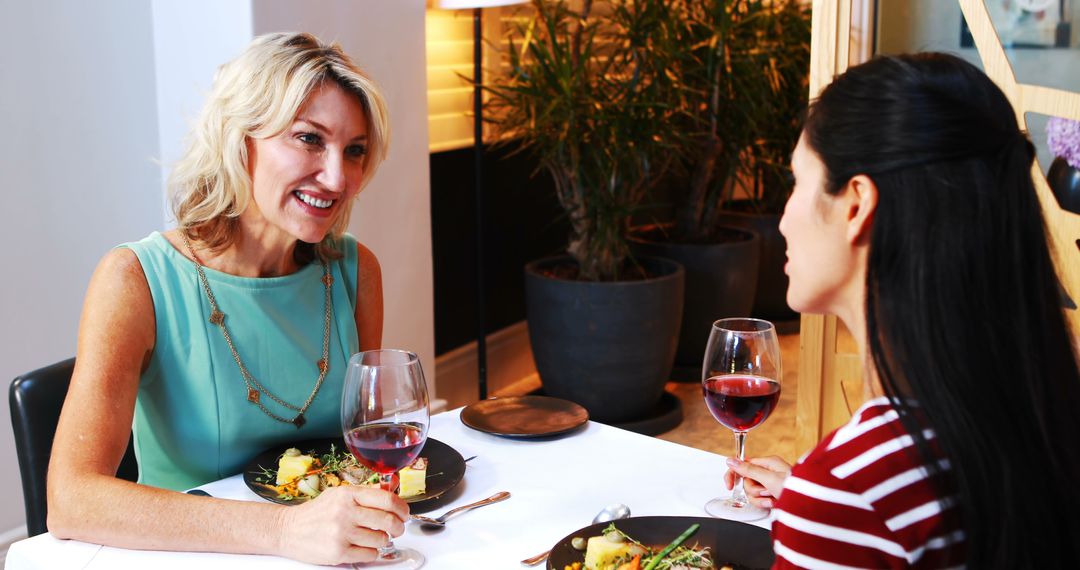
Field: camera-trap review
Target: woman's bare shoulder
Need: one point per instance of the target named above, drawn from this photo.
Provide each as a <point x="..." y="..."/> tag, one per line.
<point x="366" y="258"/>
<point x="120" y="261"/>
<point x="118" y="300"/>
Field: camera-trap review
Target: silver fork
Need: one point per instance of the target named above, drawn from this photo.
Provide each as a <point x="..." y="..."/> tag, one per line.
<point x="441" y="520"/>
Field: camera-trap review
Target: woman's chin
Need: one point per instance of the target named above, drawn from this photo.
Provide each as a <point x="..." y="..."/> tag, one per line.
<point x="313" y="239"/>
<point x="311" y="233"/>
<point x="799" y="304"/>
<point x="310" y="236"/>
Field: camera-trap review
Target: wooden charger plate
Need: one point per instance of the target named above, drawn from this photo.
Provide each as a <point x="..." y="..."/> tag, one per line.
<point x="524" y="416"/>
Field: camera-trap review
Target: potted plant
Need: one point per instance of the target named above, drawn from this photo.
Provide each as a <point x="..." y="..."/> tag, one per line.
<point x="742" y="68"/>
<point x="1063" y="137"/>
<point x="766" y="174"/>
<point x="586" y="98"/>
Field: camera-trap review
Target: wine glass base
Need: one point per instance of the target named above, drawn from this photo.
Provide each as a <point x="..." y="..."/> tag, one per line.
<point x="400" y="559"/>
<point x="736" y="511"/>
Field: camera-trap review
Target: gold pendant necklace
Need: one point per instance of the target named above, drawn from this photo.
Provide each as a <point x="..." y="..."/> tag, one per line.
<point x="254" y="388"/>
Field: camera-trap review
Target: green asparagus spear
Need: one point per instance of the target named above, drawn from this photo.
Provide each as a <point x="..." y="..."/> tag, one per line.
<point x="674" y="544"/>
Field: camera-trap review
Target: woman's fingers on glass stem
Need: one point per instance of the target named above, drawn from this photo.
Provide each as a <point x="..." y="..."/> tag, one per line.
<point x="763" y="502"/>
<point x="771" y="475"/>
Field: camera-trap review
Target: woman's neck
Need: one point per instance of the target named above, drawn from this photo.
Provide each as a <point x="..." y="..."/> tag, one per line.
<point x="854" y="318"/>
<point x="252" y="254"/>
<point x="261" y="258"/>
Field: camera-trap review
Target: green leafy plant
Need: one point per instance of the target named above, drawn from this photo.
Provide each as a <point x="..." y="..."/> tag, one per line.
<point x="588" y="94"/>
<point x="741" y="68"/>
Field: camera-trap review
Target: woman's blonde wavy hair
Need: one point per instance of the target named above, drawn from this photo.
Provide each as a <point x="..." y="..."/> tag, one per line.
<point x="256" y="96"/>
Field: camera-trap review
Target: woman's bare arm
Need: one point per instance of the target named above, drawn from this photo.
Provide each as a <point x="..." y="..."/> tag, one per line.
<point x="87" y="501"/>
<point x="369" y="299"/>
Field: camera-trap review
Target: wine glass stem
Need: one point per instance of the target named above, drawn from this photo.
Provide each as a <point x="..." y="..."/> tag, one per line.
<point x="386" y="483"/>
<point x="738" y="495"/>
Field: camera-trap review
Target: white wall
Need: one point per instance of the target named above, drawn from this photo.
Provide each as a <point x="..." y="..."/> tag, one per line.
<point x="80" y="132"/>
<point x="183" y="68"/>
<point x="92" y="93"/>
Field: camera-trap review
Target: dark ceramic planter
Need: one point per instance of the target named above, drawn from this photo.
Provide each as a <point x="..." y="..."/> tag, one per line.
<point x="1064" y="180"/>
<point x="608" y="346"/>
<point x="770" y="303"/>
<point x="721" y="279"/>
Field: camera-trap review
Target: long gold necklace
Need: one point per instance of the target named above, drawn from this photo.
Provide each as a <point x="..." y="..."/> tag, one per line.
<point x="254" y="388"/>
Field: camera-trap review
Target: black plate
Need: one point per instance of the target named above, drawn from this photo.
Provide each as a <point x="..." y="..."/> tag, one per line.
<point x="445" y="469"/>
<point x="524" y="416"/>
<point x="729" y="541"/>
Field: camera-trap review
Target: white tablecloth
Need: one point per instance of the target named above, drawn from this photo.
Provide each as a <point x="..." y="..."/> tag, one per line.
<point x="557" y="486"/>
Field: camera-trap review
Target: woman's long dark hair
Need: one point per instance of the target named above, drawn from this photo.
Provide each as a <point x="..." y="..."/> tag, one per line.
<point x="962" y="303"/>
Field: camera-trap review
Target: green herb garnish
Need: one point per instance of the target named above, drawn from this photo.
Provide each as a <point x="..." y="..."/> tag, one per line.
<point x="674" y="544"/>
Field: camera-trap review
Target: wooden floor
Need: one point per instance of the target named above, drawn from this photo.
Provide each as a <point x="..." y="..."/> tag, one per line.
<point x="699" y="430"/>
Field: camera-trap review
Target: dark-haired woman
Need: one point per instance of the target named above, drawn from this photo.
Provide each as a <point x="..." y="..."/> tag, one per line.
<point x="915" y="221"/>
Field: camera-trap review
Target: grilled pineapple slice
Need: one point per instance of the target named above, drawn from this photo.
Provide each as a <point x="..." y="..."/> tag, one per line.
<point x="413" y="479"/>
<point x="293" y="465"/>
<point x="602" y="551"/>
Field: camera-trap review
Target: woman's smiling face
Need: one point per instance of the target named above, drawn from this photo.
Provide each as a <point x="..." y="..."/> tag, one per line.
<point x="303" y="178"/>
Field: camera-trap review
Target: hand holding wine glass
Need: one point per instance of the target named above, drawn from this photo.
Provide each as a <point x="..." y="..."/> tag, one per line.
<point x="741" y="384"/>
<point x="342" y="525"/>
<point x="762" y="477"/>
<point x="384" y="418"/>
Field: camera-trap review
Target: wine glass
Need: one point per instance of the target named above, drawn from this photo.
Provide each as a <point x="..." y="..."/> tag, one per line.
<point x="384" y="418"/>
<point x="740" y="379"/>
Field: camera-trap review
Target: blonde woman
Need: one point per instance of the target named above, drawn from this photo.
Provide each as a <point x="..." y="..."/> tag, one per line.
<point x="213" y="341"/>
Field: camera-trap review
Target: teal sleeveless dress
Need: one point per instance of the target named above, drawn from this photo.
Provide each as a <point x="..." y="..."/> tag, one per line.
<point x="193" y="422"/>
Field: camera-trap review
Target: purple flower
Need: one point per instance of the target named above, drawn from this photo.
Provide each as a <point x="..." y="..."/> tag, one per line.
<point x="1063" y="136"/>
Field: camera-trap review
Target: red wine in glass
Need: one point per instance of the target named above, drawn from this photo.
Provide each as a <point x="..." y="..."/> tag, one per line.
<point x="740" y="381"/>
<point x="384" y="420"/>
<point x="741" y="401"/>
<point x="386" y="448"/>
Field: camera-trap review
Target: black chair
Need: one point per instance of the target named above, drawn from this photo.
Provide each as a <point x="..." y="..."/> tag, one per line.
<point x="36" y="398"/>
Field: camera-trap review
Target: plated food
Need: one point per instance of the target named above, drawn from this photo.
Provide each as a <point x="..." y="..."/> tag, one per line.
<point x="616" y="550"/>
<point x="444" y="470"/>
<point x="301" y="475"/>
<point x="664" y="543"/>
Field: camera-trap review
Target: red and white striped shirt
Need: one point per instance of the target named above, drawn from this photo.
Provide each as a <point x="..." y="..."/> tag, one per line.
<point x="862" y="499"/>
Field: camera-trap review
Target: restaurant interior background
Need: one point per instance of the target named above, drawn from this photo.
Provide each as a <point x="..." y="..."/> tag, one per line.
<point x="95" y="98"/>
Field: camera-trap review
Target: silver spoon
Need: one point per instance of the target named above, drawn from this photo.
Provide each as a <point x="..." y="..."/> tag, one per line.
<point x="441" y="521"/>
<point x="609" y="513"/>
